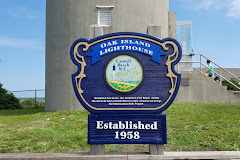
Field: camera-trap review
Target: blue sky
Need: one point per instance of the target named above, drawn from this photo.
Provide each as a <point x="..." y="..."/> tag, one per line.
<point x="215" y="28"/>
<point x="22" y="44"/>
<point x="215" y="25"/>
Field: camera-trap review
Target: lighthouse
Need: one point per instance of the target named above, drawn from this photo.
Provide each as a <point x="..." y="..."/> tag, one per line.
<point x="77" y="19"/>
<point x="114" y="74"/>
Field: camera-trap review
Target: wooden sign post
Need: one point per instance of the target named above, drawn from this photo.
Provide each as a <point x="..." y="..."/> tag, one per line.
<point x="125" y="80"/>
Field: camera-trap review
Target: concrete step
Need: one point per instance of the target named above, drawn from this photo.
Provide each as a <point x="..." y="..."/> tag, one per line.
<point x="210" y="155"/>
<point x="199" y="88"/>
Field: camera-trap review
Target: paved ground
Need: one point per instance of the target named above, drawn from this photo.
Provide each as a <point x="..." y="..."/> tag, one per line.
<point x="215" y="155"/>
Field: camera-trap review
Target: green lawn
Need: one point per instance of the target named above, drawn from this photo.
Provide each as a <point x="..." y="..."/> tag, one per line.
<point x="190" y="126"/>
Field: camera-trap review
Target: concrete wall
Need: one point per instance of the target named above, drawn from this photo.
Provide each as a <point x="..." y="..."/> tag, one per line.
<point x="204" y="89"/>
<point x="69" y="20"/>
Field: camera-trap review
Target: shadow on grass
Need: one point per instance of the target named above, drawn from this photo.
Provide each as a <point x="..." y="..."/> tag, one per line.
<point x="24" y="111"/>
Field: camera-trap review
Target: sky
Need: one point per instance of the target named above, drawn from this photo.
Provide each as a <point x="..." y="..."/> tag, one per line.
<point x="215" y="34"/>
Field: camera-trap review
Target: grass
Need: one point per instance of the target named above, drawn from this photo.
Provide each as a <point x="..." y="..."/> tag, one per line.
<point x="35" y="131"/>
<point x="208" y="126"/>
<point x="190" y="127"/>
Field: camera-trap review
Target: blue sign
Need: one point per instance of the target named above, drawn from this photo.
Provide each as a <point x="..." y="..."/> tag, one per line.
<point x="126" y="73"/>
<point x="125" y="129"/>
<point x="126" y="80"/>
<point x="127" y="44"/>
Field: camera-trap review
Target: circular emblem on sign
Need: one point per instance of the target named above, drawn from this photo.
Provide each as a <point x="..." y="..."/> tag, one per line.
<point x="124" y="74"/>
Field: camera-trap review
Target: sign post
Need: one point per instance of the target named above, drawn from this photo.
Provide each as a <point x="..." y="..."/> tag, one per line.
<point x="125" y="80"/>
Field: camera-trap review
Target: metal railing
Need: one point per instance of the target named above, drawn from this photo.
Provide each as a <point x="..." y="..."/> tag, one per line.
<point x="201" y="68"/>
<point x="37" y="94"/>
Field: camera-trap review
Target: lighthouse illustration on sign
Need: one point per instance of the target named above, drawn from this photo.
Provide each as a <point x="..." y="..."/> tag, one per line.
<point x="114" y="75"/>
<point x="124" y="73"/>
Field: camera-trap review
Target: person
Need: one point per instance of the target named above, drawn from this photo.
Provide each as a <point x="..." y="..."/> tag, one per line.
<point x="209" y="69"/>
<point x="217" y="79"/>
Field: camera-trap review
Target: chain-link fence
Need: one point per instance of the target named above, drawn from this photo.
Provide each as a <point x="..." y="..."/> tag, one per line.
<point x="37" y="94"/>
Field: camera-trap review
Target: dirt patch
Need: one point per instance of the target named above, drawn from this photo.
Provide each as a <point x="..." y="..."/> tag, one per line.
<point x="42" y="143"/>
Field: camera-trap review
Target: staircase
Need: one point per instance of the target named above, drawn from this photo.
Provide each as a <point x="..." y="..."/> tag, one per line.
<point x="204" y="89"/>
<point x="196" y="87"/>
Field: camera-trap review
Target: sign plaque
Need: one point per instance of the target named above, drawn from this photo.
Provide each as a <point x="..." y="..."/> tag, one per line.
<point x="125" y="80"/>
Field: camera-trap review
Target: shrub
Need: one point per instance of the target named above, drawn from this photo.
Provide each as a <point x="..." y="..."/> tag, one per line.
<point x="8" y="100"/>
<point x="41" y="103"/>
<point x="28" y="102"/>
<point x="230" y="86"/>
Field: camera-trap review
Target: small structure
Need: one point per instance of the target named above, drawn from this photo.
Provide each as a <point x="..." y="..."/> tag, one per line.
<point x="184" y="37"/>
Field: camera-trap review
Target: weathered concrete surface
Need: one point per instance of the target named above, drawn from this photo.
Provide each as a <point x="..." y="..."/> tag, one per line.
<point x="60" y="156"/>
<point x="204" y="89"/>
<point x="226" y="155"/>
<point x="172" y="25"/>
<point x="69" y="20"/>
<point x="156" y="149"/>
<point x="97" y="149"/>
<point x="189" y="155"/>
<point x="154" y="31"/>
<point x="95" y="31"/>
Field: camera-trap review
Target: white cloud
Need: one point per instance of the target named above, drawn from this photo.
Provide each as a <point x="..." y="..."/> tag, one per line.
<point x="203" y="4"/>
<point x="230" y="8"/>
<point x="233" y="8"/>
<point x="210" y="4"/>
<point x="23" y="12"/>
<point x="20" y="43"/>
